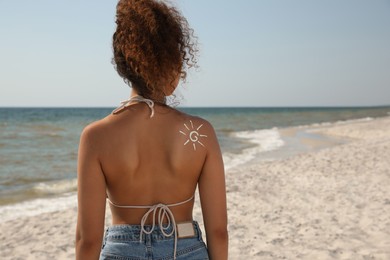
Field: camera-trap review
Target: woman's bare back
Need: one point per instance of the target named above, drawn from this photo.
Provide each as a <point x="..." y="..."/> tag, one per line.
<point x="151" y="160"/>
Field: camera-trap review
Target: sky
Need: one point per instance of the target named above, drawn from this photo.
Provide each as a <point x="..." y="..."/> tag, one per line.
<point x="262" y="53"/>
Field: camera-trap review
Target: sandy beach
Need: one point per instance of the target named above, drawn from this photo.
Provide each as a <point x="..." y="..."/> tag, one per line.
<point x="331" y="202"/>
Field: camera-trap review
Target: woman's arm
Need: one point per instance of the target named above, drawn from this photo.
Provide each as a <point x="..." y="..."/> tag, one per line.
<point x="91" y="197"/>
<point x="212" y="193"/>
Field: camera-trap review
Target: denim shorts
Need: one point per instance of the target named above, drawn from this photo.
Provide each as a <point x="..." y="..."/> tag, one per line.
<point x="123" y="242"/>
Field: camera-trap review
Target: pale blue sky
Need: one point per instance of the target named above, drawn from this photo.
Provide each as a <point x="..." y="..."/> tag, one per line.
<point x="253" y="53"/>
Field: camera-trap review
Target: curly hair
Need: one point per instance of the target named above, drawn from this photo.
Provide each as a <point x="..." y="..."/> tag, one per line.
<point x="153" y="45"/>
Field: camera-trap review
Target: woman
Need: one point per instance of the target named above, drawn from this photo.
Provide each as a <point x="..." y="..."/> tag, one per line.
<point x="146" y="159"/>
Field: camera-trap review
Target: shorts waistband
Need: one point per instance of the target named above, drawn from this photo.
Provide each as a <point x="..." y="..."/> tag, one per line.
<point x="133" y="232"/>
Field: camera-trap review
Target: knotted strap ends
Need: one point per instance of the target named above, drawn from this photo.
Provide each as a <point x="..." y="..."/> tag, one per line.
<point x="163" y="212"/>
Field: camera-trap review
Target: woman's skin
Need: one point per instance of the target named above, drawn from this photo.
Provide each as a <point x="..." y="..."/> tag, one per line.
<point x="137" y="160"/>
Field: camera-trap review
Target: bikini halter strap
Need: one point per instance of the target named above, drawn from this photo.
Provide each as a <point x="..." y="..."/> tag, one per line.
<point x="133" y="99"/>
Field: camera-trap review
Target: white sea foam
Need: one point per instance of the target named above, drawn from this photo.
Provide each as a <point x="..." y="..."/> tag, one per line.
<point x="264" y="140"/>
<point x="56" y="187"/>
<point x="339" y="122"/>
<point x="37" y="206"/>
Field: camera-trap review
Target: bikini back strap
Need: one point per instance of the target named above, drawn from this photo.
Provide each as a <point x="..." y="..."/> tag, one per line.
<point x="148" y="207"/>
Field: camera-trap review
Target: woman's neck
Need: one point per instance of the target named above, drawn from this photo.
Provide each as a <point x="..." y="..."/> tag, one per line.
<point x="160" y="100"/>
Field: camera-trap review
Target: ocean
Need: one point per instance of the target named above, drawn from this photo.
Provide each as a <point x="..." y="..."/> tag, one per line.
<point x="38" y="146"/>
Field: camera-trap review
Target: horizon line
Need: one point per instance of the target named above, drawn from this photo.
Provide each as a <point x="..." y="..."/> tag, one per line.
<point x="288" y="106"/>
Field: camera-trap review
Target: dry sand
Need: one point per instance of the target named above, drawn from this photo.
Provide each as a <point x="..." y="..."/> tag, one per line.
<point x="331" y="203"/>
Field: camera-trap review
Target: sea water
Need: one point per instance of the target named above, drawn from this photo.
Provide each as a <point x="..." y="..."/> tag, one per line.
<point x="38" y="146"/>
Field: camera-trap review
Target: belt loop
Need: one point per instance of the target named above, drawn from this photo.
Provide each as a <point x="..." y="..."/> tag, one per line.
<point x="198" y="231"/>
<point x="105" y="238"/>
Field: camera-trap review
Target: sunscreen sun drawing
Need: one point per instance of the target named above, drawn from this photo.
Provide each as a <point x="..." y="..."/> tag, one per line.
<point x="193" y="135"/>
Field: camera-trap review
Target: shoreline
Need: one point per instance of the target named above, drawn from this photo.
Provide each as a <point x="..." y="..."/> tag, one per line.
<point x="330" y="202"/>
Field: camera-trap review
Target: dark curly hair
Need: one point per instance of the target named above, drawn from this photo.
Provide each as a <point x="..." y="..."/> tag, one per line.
<point x="153" y="45"/>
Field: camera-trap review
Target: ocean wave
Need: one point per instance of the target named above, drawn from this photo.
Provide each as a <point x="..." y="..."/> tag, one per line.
<point x="52" y="134"/>
<point x="339" y="122"/>
<point x="55" y="187"/>
<point x="264" y="140"/>
<point x="36" y="207"/>
<point x="15" y="180"/>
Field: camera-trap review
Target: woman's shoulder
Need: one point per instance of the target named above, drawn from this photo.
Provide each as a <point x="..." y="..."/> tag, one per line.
<point x="196" y="127"/>
<point x="96" y="129"/>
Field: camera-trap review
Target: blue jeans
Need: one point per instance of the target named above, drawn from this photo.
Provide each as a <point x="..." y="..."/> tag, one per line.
<point x="123" y="242"/>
